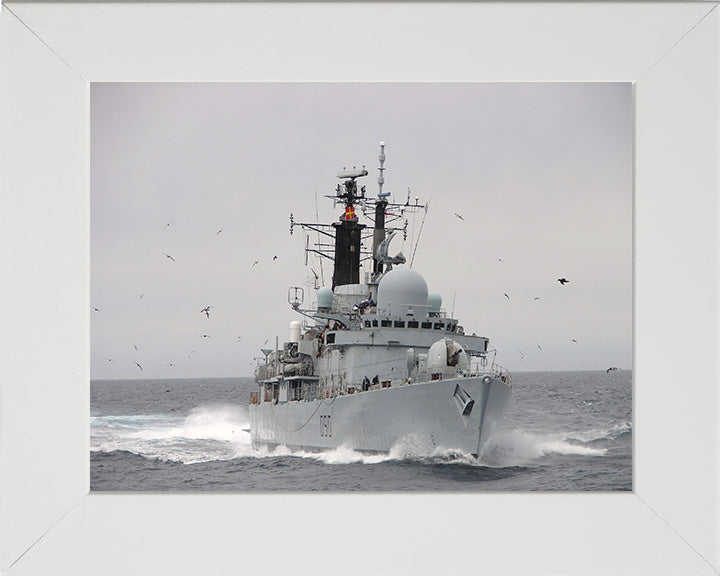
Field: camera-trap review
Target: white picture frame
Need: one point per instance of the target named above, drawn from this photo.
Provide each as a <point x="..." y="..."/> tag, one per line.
<point x="49" y="523"/>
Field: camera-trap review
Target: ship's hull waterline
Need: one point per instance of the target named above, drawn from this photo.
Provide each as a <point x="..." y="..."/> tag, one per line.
<point x="456" y="413"/>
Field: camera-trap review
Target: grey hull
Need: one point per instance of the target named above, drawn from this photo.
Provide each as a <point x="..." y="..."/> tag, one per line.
<point x="457" y="413"/>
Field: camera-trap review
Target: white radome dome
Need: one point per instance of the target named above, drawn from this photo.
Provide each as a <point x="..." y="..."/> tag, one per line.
<point x="402" y="289"/>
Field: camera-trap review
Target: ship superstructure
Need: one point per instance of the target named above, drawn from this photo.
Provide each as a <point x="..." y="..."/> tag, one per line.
<point x="377" y="361"/>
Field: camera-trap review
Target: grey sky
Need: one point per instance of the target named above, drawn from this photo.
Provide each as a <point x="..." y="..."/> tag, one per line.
<point x="541" y="173"/>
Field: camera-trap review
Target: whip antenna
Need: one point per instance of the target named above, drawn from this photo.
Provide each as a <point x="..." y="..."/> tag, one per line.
<point x="381" y="177"/>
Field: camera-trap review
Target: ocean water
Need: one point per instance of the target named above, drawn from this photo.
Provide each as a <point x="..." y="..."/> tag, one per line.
<point x="564" y="431"/>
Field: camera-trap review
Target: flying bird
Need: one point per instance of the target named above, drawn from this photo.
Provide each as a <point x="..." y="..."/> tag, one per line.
<point x="218" y="232"/>
<point x="611" y="369"/>
<point x="96" y="309"/>
<point x="168" y="256"/>
<point x="134" y="346"/>
<point x="206" y="310"/>
<point x="458" y="215"/>
<point x="275" y="257"/>
<point x="138" y="365"/>
<point x="256" y="261"/>
<point x="573" y="339"/>
<point x="506" y="296"/>
<point x="169" y="364"/>
<point x="563" y="281"/>
<point x="108" y="359"/>
<point x="500" y="260"/>
<point x="238" y="339"/>
<point x="141" y="296"/>
<point x="538" y="345"/>
<point x="536" y="298"/>
<point x="206" y="336"/>
<point x="168" y="224"/>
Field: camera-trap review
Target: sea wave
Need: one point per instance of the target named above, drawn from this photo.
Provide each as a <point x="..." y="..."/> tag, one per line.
<point x="221" y="432"/>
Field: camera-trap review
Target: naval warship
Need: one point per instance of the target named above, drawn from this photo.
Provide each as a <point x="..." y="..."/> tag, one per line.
<point x="375" y="362"/>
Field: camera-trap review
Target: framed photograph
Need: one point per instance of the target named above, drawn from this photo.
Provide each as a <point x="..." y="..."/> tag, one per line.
<point x="51" y="55"/>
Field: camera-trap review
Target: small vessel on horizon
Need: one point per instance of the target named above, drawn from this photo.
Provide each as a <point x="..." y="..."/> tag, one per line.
<point x="376" y="360"/>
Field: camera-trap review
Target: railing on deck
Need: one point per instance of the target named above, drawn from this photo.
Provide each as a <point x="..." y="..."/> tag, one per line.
<point x="502" y="373"/>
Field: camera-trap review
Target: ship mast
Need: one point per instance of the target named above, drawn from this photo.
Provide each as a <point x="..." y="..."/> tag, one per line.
<point x="344" y="237"/>
<point x="380" y="207"/>
<point x="348" y="232"/>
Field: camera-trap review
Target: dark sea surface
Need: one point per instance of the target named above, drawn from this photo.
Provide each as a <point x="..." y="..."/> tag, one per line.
<point x="567" y="431"/>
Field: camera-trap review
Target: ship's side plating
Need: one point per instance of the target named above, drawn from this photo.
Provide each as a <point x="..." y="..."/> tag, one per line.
<point x="458" y="413"/>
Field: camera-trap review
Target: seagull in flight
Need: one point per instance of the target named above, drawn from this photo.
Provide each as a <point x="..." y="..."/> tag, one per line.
<point x="168" y="256"/>
<point x="500" y="260"/>
<point x="96" y="309"/>
<point x="538" y="345"/>
<point x="138" y="365"/>
<point x="206" y="336"/>
<point x="168" y="224"/>
<point x="506" y="296"/>
<point x="253" y="264"/>
<point x="563" y="281"/>
<point x="275" y="257"/>
<point x="135" y="346"/>
<point x="573" y="339"/>
<point x="206" y="310"/>
<point x="458" y="215"/>
<point x="536" y="298"/>
<point x="218" y="232"/>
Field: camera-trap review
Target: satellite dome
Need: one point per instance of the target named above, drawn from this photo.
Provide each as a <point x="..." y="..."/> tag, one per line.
<point x="434" y="302"/>
<point x="402" y="289"/>
<point x="324" y="297"/>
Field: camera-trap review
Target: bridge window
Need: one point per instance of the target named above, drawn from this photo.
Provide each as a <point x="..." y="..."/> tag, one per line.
<point x="368" y="324"/>
<point x="438" y="326"/>
<point x="385" y="323"/>
<point x="412" y="324"/>
<point x="426" y="325"/>
<point x="399" y="324"/>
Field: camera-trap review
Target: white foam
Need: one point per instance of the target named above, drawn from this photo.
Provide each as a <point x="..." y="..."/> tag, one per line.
<point x="593" y="434"/>
<point x="518" y="447"/>
<point x="207" y="433"/>
<point x="219" y="432"/>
